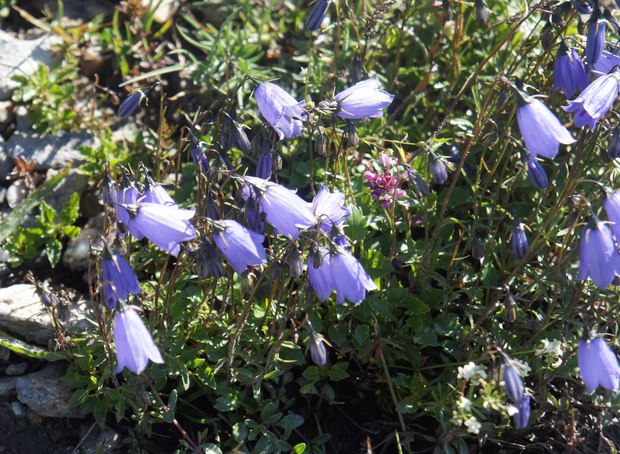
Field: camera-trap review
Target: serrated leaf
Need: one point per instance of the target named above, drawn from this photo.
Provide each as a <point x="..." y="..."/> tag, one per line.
<point x="54" y="250"/>
<point x="71" y="212"/>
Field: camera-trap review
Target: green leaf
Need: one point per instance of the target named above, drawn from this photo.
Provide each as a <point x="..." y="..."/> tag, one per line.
<point x="22" y="348"/>
<point x="227" y="402"/>
<point x="299" y="448"/>
<point x="338" y="371"/>
<point x="71" y="211"/>
<point x="54" y="250"/>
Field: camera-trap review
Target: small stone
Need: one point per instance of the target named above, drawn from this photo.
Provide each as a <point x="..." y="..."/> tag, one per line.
<point x="19" y="409"/>
<point x="45" y="394"/>
<point x="22" y="58"/>
<point x="16" y="193"/>
<point x="77" y="253"/>
<point x="7" y="387"/>
<point x="105" y="442"/>
<point x="5" y="354"/>
<point x="72" y="182"/>
<point x="16" y="369"/>
<point x="46" y="151"/>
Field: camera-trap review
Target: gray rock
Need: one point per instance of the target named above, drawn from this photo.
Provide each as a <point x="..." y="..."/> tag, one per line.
<point x="46" y="151"/>
<point x="105" y="442"/>
<point x="22" y="119"/>
<point x="7" y="387"/>
<point x="45" y="394"/>
<point x="22" y="57"/>
<point x="72" y="182"/>
<point x="6" y="113"/>
<point x="78" y="249"/>
<point x="23" y="314"/>
<point x="16" y="193"/>
<point x="19" y="409"/>
<point x="16" y="369"/>
<point x="5" y="354"/>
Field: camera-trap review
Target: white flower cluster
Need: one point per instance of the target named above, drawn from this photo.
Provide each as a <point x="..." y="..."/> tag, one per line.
<point x="552" y="350"/>
<point x="471" y="370"/>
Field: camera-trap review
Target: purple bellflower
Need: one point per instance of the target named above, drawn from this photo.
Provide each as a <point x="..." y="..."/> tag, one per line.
<point x="127" y="194"/>
<point x="595" y="101"/>
<point x="598" y="256"/>
<point x="233" y="134"/>
<point x="329" y="208"/>
<point x="522" y="418"/>
<point x="612" y="208"/>
<point x="596" y="39"/>
<point x="606" y="63"/>
<point x="541" y="130"/>
<point x="598" y="365"/>
<point x="155" y="193"/>
<point x="283" y="208"/>
<point x="241" y="246"/>
<point x="320" y="276"/>
<point x="513" y="383"/>
<point x="264" y="168"/>
<point x="283" y="112"/>
<point x="569" y="73"/>
<point x="537" y="174"/>
<point x="134" y="344"/>
<point x="349" y="278"/>
<point x="520" y="244"/>
<point x="318" y="352"/>
<point x="166" y="226"/>
<point x="199" y="155"/>
<point x="583" y="6"/>
<point x="317" y="14"/>
<point x="362" y="100"/>
<point x="438" y="170"/>
<point x="119" y="280"/>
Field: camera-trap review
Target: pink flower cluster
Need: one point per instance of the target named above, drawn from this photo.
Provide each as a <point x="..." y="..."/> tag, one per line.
<point x="384" y="185"/>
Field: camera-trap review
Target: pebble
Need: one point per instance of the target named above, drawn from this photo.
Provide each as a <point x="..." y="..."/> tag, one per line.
<point x="7" y="387"/>
<point x="16" y="369"/>
<point x="19" y="409"/>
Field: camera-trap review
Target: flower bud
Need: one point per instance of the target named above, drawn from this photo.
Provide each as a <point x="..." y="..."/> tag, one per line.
<point x="318" y="352"/>
<point x="295" y="263"/>
<point x="522" y="418"/>
<point x="537" y="174"/>
<point x="482" y="13"/>
<point x="613" y="147"/>
<point x="209" y="262"/>
<point x="418" y="184"/>
<point x="513" y="383"/>
<point x="320" y="144"/>
<point x="264" y="167"/>
<point x="130" y="104"/>
<point x="477" y="249"/>
<point x="520" y="243"/>
<point x="351" y="139"/>
<point x="438" y="170"/>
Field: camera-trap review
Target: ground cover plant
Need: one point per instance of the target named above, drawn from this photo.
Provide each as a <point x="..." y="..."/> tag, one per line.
<point x="340" y="226"/>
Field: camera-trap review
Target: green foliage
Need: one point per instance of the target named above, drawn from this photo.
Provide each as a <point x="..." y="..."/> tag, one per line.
<point x="50" y="228"/>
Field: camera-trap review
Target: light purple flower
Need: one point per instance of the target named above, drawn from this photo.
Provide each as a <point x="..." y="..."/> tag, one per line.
<point x="155" y="193"/>
<point x="283" y="112"/>
<point x="596" y="39"/>
<point x="350" y="280"/>
<point x="569" y="73"/>
<point x="595" y="101"/>
<point x="522" y="418"/>
<point x="320" y="277"/>
<point x="598" y="365"/>
<point x="612" y="208"/>
<point x="329" y="208"/>
<point x="541" y="130"/>
<point x="318" y="352"/>
<point x="134" y="344"/>
<point x="606" y="63"/>
<point x="166" y="226"/>
<point x="362" y="100"/>
<point x="241" y="246"/>
<point x="537" y="174"/>
<point x="119" y="280"/>
<point x="317" y="14"/>
<point x="512" y="383"/>
<point x="598" y="256"/>
<point x="283" y="208"/>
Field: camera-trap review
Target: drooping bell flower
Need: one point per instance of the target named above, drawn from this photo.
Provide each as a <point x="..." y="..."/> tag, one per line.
<point x="522" y="417"/>
<point x="241" y="246"/>
<point x="317" y="14"/>
<point x="133" y="101"/>
<point x="520" y="245"/>
<point x="118" y="279"/>
<point x="233" y="134"/>
<point x="598" y="257"/>
<point x="283" y="112"/>
<point x="318" y="352"/>
<point x="541" y="130"/>
<point x="166" y="226"/>
<point x="418" y="184"/>
<point x="482" y="12"/>
<point x="512" y="383"/>
<point x="606" y="63"/>
<point x="329" y="208"/>
<point x="127" y="194"/>
<point x="583" y="6"/>
<point x="134" y="344"/>
<point x="264" y="168"/>
<point x="438" y="170"/>
<point x="283" y="208"/>
<point x="349" y="278"/>
<point x="363" y="100"/>
<point x="209" y="263"/>
<point x="595" y="101"/>
<point x="598" y="365"/>
<point x="155" y="193"/>
<point x="320" y="274"/>
<point x="612" y="208"/>
<point x="569" y="73"/>
<point x="199" y="155"/>
<point x="596" y="38"/>
<point x="537" y="174"/>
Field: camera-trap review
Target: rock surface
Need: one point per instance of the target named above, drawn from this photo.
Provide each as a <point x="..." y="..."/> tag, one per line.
<point x="45" y="394"/>
<point x="46" y="151"/>
<point x="78" y="249"/>
<point x="22" y="57"/>
<point x="23" y="314"/>
<point x="7" y="386"/>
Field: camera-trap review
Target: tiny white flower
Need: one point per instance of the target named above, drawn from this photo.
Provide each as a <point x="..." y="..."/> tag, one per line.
<point x="522" y="367"/>
<point x="550" y="348"/>
<point x="465" y="403"/>
<point x="473" y="425"/>
<point x="469" y="371"/>
<point x="512" y="410"/>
